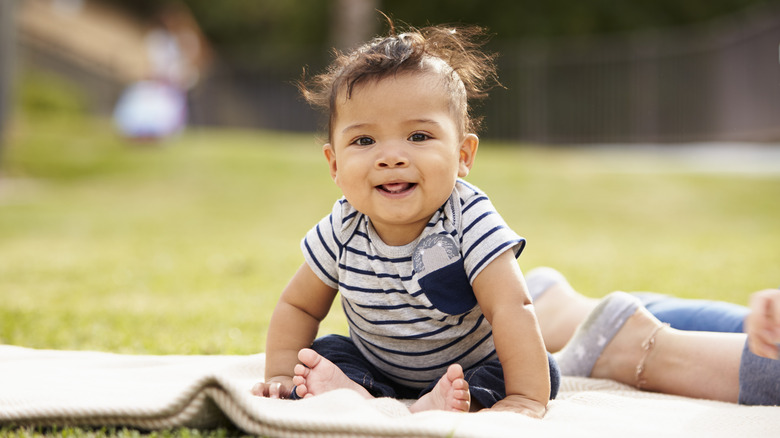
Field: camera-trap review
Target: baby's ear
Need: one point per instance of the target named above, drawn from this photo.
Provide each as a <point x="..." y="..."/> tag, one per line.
<point x="468" y="152"/>
<point x="330" y="155"/>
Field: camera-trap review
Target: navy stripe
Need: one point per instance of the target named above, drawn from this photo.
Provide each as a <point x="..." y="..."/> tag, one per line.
<point x="473" y="202"/>
<point x="325" y="244"/>
<point x="410" y="337"/>
<point x="427" y="352"/>
<point x="468" y="186"/>
<point x="441" y="218"/>
<point x="486" y="358"/>
<point x="476" y="221"/>
<point x="397" y="377"/>
<point x="396" y="307"/>
<point x="370" y="273"/>
<point x="317" y="262"/>
<point x="488" y="257"/>
<point x="520" y="247"/>
<point x="345" y="286"/>
<point x="335" y="237"/>
<point x="431" y="367"/>
<point x="383" y="259"/>
<point x="362" y="234"/>
<point x="389" y="321"/>
<point x="349" y="217"/>
<point x="481" y="239"/>
<point x="373" y="274"/>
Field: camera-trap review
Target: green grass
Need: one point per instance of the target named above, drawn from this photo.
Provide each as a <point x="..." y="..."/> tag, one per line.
<point x="183" y="248"/>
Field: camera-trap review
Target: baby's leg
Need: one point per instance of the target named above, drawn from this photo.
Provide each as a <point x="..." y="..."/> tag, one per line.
<point x="451" y="393"/>
<point x="318" y="375"/>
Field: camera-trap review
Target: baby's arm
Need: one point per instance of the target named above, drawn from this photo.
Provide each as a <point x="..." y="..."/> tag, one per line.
<point x="501" y="293"/>
<point x="304" y="303"/>
<point x="763" y="323"/>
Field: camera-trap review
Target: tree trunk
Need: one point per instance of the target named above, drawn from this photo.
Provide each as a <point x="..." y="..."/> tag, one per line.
<point x="353" y="22"/>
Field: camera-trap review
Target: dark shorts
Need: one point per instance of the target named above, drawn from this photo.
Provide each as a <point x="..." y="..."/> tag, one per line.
<point x="486" y="380"/>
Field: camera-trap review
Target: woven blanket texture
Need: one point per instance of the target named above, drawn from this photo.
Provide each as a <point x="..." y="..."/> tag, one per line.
<point x="86" y="388"/>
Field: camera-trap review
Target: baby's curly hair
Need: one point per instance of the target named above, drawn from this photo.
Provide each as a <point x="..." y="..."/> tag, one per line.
<point x="454" y="52"/>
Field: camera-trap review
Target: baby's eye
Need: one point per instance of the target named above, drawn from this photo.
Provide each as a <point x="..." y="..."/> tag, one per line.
<point x="419" y="136"/>
<point x="363" y="141"/>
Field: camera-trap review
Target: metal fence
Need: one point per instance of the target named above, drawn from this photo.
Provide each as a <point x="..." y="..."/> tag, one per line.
<point x="719" y="82"/>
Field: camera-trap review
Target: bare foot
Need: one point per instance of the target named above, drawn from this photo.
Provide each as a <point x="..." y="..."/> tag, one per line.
<point x="451" y="393"/>
<point x="619" y="359"/>
<point x="318" y="375"/>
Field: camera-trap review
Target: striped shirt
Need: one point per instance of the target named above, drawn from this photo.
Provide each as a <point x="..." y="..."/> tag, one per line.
<point x="411" y="309"/>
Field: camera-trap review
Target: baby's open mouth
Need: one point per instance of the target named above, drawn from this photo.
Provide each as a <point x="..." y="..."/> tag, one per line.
<point x="396" y="187"/>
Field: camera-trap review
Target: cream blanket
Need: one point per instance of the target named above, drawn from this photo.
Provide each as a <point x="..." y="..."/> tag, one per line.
<point x="45" y="387"/>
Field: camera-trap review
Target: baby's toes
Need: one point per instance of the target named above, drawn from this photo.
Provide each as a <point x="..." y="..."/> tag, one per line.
<point x="461" y="384"/>
<point x="461" y="405"/>
<point x="301" y="391"/>
<point x="301" y="370"/>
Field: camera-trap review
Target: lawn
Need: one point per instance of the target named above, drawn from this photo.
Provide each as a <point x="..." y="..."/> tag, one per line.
<point x="184" y="247"/>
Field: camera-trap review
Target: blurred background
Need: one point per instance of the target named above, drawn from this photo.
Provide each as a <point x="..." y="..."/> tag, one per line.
<point x="158" y="169"/>
<point x="575" y="71"/>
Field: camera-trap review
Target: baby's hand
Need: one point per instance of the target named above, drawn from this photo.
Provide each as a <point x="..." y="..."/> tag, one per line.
<point x="762" y="325"/>
<point x="275" y="387"/>
<point x="521" y="405"/>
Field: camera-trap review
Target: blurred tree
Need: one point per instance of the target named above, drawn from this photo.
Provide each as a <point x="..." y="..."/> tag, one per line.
<point x="265" y="35"/>
<point x="273" y="35"/>
<point x="511" y="19"/>
<point x="353" y="22"/>
<point x="7" y="38"/>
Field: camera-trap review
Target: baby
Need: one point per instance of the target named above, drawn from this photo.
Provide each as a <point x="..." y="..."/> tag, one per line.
<point x="436" y="304"/>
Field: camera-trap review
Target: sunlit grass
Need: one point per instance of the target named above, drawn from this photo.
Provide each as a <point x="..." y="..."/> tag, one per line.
<point x="184" y="247"/>
<point x="199" y="234"/>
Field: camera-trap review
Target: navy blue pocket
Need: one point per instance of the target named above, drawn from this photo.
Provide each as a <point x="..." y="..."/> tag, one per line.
<point x="442" y="276"/>
<point x="448" y="289"/>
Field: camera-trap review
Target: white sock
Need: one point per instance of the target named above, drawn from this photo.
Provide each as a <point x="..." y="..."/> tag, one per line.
<point x="592" y="336"/>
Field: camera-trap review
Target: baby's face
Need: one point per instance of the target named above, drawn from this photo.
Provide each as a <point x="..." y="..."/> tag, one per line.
<point x="396" y="152"/>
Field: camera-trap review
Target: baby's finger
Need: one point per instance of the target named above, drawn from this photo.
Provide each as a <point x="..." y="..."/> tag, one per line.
<point x="259" y="389"/>
<point x="274" y="389"/>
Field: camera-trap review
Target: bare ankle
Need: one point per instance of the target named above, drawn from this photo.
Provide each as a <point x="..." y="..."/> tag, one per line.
<point x="630" y="349"/>
<point x="648" y="347"/>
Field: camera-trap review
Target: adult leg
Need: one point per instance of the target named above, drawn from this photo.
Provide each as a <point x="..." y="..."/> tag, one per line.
<point x="694" y="314"/>
<point x="643" y="352"/>
<point x="560" y="309"/>
<point x="692" y="364"/>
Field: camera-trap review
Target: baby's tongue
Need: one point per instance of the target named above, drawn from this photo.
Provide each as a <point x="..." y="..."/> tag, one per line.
<point x="395" y="187"/>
